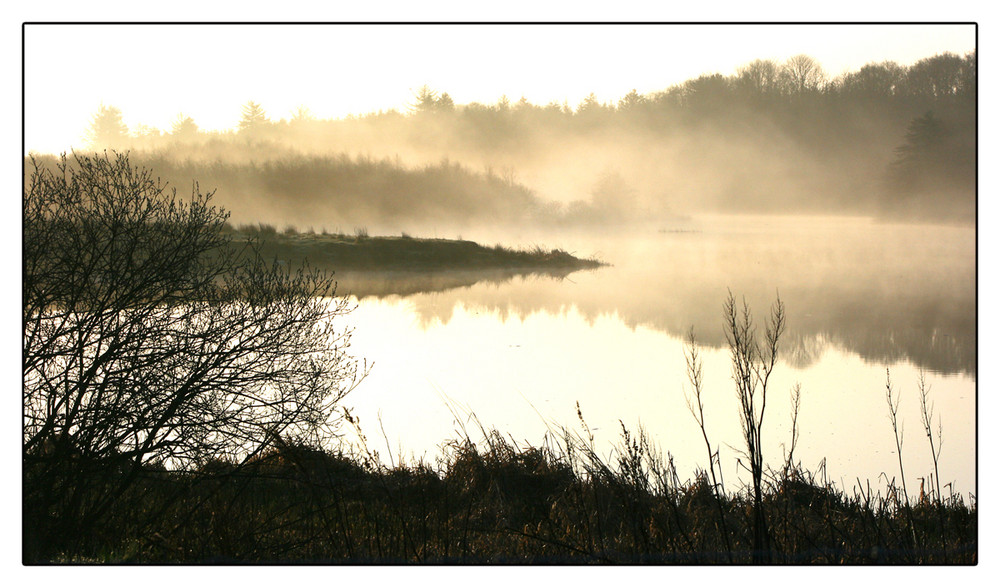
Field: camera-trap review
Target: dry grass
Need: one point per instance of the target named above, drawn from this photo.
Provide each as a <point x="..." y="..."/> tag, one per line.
<point x="489" y="499"/>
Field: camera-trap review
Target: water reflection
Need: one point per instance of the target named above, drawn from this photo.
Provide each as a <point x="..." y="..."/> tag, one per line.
<point x="380" y="284"/>
<point x="521" y="350"/>
<point x="524" y="375"/>
<point x="886" y="293"/>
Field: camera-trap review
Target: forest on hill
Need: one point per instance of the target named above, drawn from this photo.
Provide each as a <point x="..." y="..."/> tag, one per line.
<point x="885" y="140"/>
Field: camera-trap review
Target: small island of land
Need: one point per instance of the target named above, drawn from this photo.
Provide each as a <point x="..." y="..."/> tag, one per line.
<point x="360" y="252"/>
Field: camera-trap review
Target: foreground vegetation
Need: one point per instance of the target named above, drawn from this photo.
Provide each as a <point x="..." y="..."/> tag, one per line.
<point x="493" y="501"/>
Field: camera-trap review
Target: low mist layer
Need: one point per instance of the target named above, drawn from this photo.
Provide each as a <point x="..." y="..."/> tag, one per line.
<point x="885" y="140"/>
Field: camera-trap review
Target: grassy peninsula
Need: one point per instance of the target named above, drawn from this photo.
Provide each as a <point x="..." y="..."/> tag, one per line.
<point x="361" y="252"/>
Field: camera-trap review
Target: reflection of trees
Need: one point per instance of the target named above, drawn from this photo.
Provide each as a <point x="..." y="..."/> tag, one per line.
<point x="879" y="329"/>
<point x="934" y="333"/>
<point x="381" y="284"/>
<point x="884" y="311"/>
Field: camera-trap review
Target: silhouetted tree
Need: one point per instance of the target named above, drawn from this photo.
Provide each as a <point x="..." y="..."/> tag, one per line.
<point x="753" y="361"/>
<point x="613" y="192"/>
<point x="107" y="129"/>
<point x="150" y="339"/>
<point x="874" y="80"/>
<point x="146" y="131"/>
<point x="932" y="158"/>
<point x="629" y="102"/>
<point x="184" y="127"/>
<point x="253" y="119"/>
<point x="924" y="136"/>
<point x="936" y="77"/>
<point x="707" y="93"/>
<point x="426" y="100"/>
<point x="302" y="114"/>
<point x="758" y="78"/>
<point x="589" y="105"/>
<point x="801" y="74"/>
<point x="968" y="76"/>
<point x="445" y="103"/>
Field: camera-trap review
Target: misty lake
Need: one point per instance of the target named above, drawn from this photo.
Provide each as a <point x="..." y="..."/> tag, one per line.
<point x="521" y="352"/>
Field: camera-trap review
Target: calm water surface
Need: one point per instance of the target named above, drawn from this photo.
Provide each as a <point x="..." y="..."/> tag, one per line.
<point x="521" y="352"/>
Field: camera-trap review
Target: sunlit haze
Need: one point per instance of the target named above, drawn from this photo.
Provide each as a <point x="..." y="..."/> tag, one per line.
<point x="208" y="71"/>
<point x="352" y="291"/>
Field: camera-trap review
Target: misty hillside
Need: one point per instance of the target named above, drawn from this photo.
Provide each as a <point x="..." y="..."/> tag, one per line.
<point x="774" y="137"/>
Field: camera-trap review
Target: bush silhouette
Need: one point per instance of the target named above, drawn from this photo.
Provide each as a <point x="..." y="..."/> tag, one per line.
<point x="149" y="340"/>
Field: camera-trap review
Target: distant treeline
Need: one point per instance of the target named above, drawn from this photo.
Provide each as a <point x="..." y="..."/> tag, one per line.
<point x="342" y="192"/>
<point x="771" y="137"/>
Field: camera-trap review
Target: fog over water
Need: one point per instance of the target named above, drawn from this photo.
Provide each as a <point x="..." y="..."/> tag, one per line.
<point x="503" y="293"/>
<point x="851" y="195"/>
<point x="861" y="296"/>
<point x="884" y="291"/>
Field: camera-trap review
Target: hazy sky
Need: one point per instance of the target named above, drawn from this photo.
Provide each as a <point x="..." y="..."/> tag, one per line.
<point x="154" y="72"/>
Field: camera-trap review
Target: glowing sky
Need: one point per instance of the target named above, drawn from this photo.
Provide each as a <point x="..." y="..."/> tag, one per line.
<point x="154" y="72"/>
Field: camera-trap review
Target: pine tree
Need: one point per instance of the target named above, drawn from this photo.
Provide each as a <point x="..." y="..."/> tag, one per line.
<point x="254" y="118"/>
<point x="184" y="127"/>
<point x="107" y="129"/>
